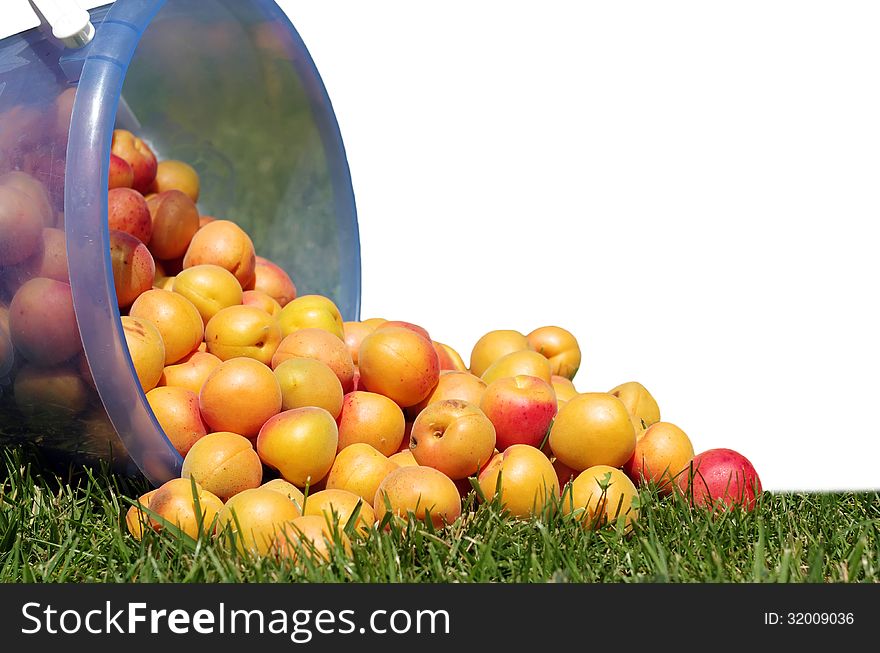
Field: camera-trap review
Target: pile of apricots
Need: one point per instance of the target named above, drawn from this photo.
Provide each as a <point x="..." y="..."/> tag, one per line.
<point x="292" y="421"/>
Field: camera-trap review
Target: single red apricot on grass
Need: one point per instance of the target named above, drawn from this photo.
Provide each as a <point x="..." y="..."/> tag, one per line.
<point x="720" y="478"/>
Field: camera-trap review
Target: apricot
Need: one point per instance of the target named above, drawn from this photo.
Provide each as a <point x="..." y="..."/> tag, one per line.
<point x="559" y="346"/>
<point x="403" y="458"/>
<point x="138" y="155"/>
<point x="398" y="363"/>
<point x="253" y="517"/>
<point x="424" y="492"/>
<point x="601" y="495"/>
<point x="638" y="401"/>
<point x="720" y="479"/>
<point x="453" y="384"/>
<point x="223" y="463"/>
<point x="563" y="387"/>
<point x="240" y="395"/>
<point x="286" y="488"/>
<point x="319" y="345"/>
<point x="192" y="510"/>
<point x="127" y="211"/>
<point x="373" y="419"/>
<point x="49" y="261"/>
<point x="492" y="346"/>
<point x="224" y="243"/>
<point x="121" y="174"/>
<point x="353" y="334"/>
<point x="308" y="382"/>
<point x="21" y="225"/>
<point x="523" y="478"/>
<point x="42" y="323"/>
<point x="190" y="372"/>
<point x="210" y="288"/>
<point x="449" y="358"/>
<point x="136" y="518"/>
<point x="311" y="312"/>
<point x="660" y="456"/>
<point x="407" y="325"/>
<point x="36" y="192"/>
<point x="271" y="279"/>
<point x="454" y="437"/>
<point x="338" y="506"/>
<point x="177" y="411"/>
<point x="593" y="429"/>
<point x="360" y="469"/>
<point x="300" y="444"/>
<point x="146" y="349"/>
<point x="176" y="175"/>
<point x="524" y="362"/>
<point x="521" y="408"/>
<point x="175" y="222"/>
<point x="261" y="300"/>
<point x="176" y="318"/>
<point x="246" y="331"/>
<point x="310" y="536"/>
<point x="133" y="267"/>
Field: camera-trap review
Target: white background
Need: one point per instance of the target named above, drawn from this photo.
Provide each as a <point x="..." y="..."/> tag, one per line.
<point x="691" y="188"/>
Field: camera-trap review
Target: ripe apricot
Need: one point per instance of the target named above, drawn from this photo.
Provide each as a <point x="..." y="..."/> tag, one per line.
<point x="398" y="363"/>
<point x="176" y="175"/>
<point x="638" y="401"/>
<point x="224" y="243"/>
<point x="176" y="318"/>
<point x="210" y="288"/>
<point x="593" y="429"/>
<point x="424" y="492"/>
<point x="338" y="506"/>
<point x="359" y="468"/>
<point x="300" y="444"/>
<point x="601" y="495"/>
<point x="492" y="346"/>
<point x="661" y="454"/>
<point x="373" y="419"/>
<point x="319" y="345"/>
<point x="253" y="517"/>
<point x="190" y="372"/>
<point x="223" y="463"/>
<point x="524" y="479"/>
<point x="177" y="411"/>
<point x="311" y="312"/>
<point x="271" y="279"/>
<point x="146" y="349"/>
<point x="243" y="331"/>
<point x="240" y="395"/>
<point x="559" y="346"/>
<point x="175" y="221"/>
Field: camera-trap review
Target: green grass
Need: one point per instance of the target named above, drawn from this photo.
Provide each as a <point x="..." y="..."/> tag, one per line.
<point x="70" y="528"/>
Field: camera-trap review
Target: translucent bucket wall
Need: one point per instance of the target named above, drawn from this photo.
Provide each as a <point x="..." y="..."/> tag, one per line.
<point x="225" y="85"/>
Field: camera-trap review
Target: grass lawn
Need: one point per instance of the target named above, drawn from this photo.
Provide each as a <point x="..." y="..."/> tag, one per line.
<point x="71" y="529"/>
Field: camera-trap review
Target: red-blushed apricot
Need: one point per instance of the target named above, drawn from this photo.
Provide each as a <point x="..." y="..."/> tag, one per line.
<point x="593" y="429"/>
<point x="415" y="328"/>
<point x="136" y="518"/>
<point x="21" y="225"/>
<point x="338" y="506"/>
<point x="309" y="536"/>
<point x="146" y="349"/>
<point x="224" y="243"/>
<point x="133" y="267"/>
<point x="240" y="395"/>
<point x="176" y="318"/>
<point x="523" y="478"/>
<point x="286" y="488"/>
<point x="300" y="444"/>
<point x="403" y="458"/>
<point x="521" y="408"/>
<point x="360" y="469"/>
<point x="190" y="372"/>
<point x="719" y="479"/>
<point x="177" y="411"/>
<point x="251" y="519"/>
<point x="261" y="300"/>
<point x="454" y="437"/>
<point x="638" y="401"/>
<point x="42" y="323"/>
<point x="319" y="345"/>
<point x="524" y="362"/>
<point x="246" y="331"/>
<point x="354" y="333"/>
<point x="223" y="463"/>
<point x="661" y="454"/>
<point x="492" y="346"/>
<point x="121" y="174"/>
<point x="190" y="509"/>
<point x="424" y="492"/>
<point x="45" y="395"/>
<point x="36" y="192"/>
<point x="398" y="363"/>
<point x="271" y="279"/>
<point x="176" y="175"/>
<point x="452" y="384"/>
<point x="127" y="211"/>
<point x="138" y="155"/>
<point x="210" y="288"/>
<point x="449" y="358"/>
<point x="372" y="419"/>
<point x="563" y="387"/>
<point x="559" y="346"/>
<point x="311" y="312"/>
<point x="601" y="495"/>
<point x="309" y="382"/>
<point x="49" y="261"/>
<point x="175" y="222"/>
